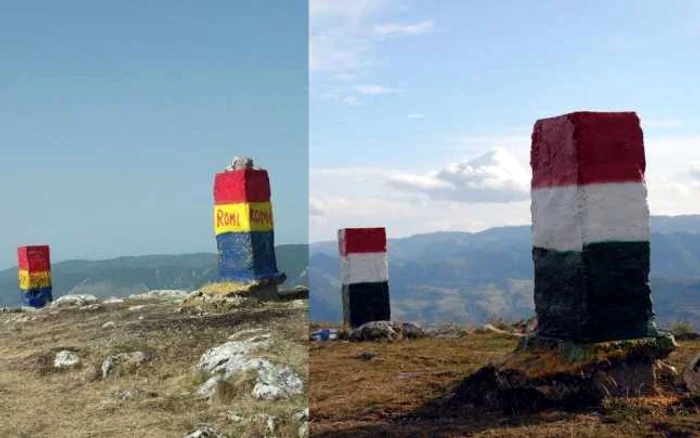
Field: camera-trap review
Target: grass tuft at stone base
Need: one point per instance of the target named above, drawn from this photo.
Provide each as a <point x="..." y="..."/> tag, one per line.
<point x="545" y="373"/>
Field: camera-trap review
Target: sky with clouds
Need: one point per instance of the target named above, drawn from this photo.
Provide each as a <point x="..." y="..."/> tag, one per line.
<point x="421" y="112"/>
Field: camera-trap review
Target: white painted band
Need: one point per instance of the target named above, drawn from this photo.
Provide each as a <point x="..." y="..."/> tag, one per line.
<point x="372" y="267"/>
<point x="568" y="217"/>
<point x="555" y="221"/>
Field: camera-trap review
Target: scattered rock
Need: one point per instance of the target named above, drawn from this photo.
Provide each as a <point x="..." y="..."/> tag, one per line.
<point x="303" y="418"/>
<point x="113" y="300"/>
<point x="108" y="324"/>
<point x="691" y="375"/>
<point x="385" y="331"/>
<point x="137" y="308"/>
<point x="447" y="332"/>
<point x="66" y="359"/>
<point x="91" y="307"/>
<point x="123" y="360"/>
<point x="233" y="417"/>
<point x="74" y="301"/>
<point x="374" y="331"/>
<point x="302" y="415"/>
<point x="304" y="430"/>
<point x="490" y="328"/>
<point x="16" y="309"/>
<point x="126" y="394"/>
<point x="298" y="293"/>
<point x="276" y="382"/>
<point x="408" y="330"/>
<point x="206" y="431"/>
<point x="270" y="422"/>
<point x="160" y="293"/>
<point x="226" y="360"/>
<point x="366" y="355"/>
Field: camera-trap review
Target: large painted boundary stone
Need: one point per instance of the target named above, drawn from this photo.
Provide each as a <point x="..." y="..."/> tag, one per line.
<point x="243" y="225"/>
<point x="590" y="224"/>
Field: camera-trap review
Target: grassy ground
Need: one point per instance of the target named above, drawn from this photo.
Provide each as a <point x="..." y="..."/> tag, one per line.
<point x="38" y="401"/>
<point x="388" y="390"/>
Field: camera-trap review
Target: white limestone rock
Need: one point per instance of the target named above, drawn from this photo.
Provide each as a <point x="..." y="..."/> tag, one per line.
<point x="66" y="359"/>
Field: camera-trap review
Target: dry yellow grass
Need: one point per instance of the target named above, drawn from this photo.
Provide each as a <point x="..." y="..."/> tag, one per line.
<point x="393" y="394"/>
<point x="37" y="401"/>
<point x="226" y="288"/>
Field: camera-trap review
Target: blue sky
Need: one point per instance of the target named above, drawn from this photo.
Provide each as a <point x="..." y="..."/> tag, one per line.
<point x="114" y="118"/>
<point x="410" y="99"/>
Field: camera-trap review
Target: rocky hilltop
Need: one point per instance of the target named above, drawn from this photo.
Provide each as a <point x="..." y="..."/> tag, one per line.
<point x="395" y="380"/>
<point x="164" y="363"/>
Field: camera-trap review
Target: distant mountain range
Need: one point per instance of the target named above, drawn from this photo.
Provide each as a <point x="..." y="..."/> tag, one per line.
<point x="473" y="277"/>
<point x="129" y="275"/>
<point x="436" y="277"/>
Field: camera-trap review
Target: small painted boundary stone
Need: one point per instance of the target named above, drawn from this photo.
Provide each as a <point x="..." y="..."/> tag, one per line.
<point x="364" y="275"/>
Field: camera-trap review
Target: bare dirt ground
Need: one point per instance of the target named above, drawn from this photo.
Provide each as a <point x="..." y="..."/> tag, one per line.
<point x="390" y="390"/>
<point x="38" y="400"/>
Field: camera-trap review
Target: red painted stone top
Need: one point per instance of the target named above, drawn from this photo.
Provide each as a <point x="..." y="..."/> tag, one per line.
<point x="35" y="258"/>
<point x="245" y="185"/>
<point x="361" y="240"/>
<point x="587" y="148"/>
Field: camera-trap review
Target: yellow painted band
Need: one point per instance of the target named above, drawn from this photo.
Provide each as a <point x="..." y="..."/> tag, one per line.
<point x="243" y="217"/>
<point x="34" y="280"/>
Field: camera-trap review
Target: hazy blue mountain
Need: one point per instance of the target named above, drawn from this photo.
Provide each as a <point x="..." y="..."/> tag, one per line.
<point x="473" y="277"/>
<point x="127" y="275"/>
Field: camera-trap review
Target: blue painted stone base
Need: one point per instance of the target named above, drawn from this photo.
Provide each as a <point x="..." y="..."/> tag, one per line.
<point x="37" y="297"/>
<point x="246" y="257"/>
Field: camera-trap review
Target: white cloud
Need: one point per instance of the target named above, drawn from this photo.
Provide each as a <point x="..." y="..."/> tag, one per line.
<point x="392" y="29"/>
<point x="373" y="90"/>
<point x="338" y="40"/>
<point x="411" y="202"/>
<point x="316" y="208"/>
<point x="338" y="54"/>
<point x="669" y="197"/>
<point x="416" y="116"/>
<point x="495" y="177"/>
<point x="343" y="43"/>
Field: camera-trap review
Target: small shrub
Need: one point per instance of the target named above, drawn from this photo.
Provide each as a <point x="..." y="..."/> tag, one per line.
<point x="501" y="323"/>
<point x="682" y="327"/>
